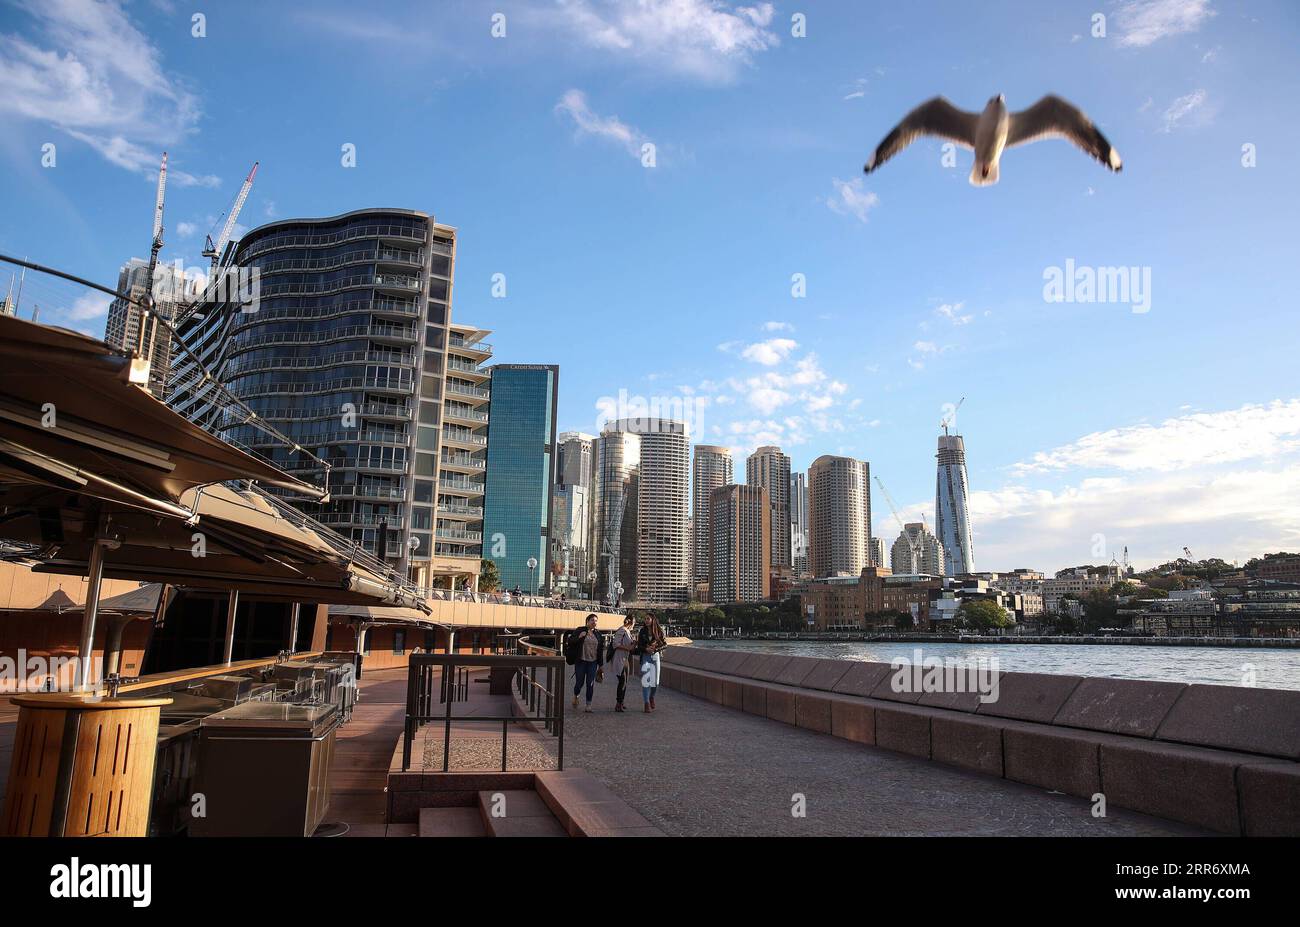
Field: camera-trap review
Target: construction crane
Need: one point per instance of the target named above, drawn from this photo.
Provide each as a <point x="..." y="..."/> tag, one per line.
<point x="1189" y="555"/>
<point x="950" y="418"/>
<point x="148" y="329"/>
<point x="214" y="249"/>
<point x="914" y="544"/>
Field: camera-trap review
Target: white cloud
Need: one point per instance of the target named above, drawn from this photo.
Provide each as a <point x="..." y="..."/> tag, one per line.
<point x="926" y="347"/>
<point x="852" y="199"/>
<point x="1252" y="432"/>
<point x="90" y="73"/>
<point x="709" y="40"/>
<point x="89" y="305"/>
<point x="771" y="352"/>
<point x="611" y="128"/>
<point x="777" y="327"/>
<point x="1184" y="108"/>
<point x="1224" y="483"/>
<point x="953" y="313"/>
<point x="1144" y="22"/>
<point x="185" y="229"/>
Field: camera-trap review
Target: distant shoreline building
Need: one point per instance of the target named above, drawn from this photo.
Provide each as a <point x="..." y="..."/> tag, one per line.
<point x="769" y="468"/>
<point x="916" y="551"/>
<point x="740" y="522"/>
<point x="711" y="469"/>
<point x="951" y="507"/>
<point x="839" y="516"/>
<point x="799" y="523"/>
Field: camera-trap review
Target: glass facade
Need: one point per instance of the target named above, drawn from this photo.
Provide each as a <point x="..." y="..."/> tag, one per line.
<point x="343" y="352"/>
<point x="521" y="474"/>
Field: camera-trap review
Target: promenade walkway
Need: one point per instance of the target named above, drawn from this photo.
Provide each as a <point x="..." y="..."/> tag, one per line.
<point x="694" y="768"/>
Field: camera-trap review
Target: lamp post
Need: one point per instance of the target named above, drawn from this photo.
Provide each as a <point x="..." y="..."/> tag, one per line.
<point x="591" y="578"/>
<point x="532" y="572"/>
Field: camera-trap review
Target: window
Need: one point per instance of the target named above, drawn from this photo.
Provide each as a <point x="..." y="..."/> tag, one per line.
<point x="399" y="641"/>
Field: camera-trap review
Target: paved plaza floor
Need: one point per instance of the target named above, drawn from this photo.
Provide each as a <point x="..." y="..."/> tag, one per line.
<point x="694" y="768"/>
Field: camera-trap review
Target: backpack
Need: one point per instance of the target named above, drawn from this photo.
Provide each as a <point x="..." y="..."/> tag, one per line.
<point x="571" y="647"/>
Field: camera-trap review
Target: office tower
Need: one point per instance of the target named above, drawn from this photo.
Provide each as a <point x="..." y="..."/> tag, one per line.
<point x="951" y="511"/>
<point x="571" y="553"/>
<point x="740" y="544"/>
<point x="769" y="468"/>
<point x="799" y="523"/>
<point x="877" y="552"/>
<point x="122" y="330"/>
<point x="712" y="468"/>
<point x="917" y="551"/>
<point x="570" y="526"/>
<point x="520" y="473"/>
<point x="839" y="516"/>
<point x="575" y="456"/>
<point x="655" y="554"/>
<point x="613" y="513"/>
<point x="349" y="351"/>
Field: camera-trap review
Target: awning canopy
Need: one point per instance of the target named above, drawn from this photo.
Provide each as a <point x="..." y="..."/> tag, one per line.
<point x="84" y="455"/>
<point x="383" y="614"/>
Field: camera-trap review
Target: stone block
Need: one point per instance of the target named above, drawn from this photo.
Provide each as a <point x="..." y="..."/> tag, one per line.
<point x="826" y="674"/>
<point x="861" y="678"/>
<point x="780" y="705"/>
<point x="1055" y="758"/>
<point x="812" y="710"/>
<point x="903" y="729"/>
<point x="1270" y="799"/>
<point x="969" y="742"/>
<point x="1030" y="696"/>
<point x="1119" y="706"/>
<point x="1263" y="721"/>
<point x="853" y="719"/>
<point x="794" y="671"/>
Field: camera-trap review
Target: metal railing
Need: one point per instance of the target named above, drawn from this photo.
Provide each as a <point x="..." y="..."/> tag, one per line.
<point x="445" y="677"/>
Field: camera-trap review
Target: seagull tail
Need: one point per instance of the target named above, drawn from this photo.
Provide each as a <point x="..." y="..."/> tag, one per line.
<point x="984" y="175"/>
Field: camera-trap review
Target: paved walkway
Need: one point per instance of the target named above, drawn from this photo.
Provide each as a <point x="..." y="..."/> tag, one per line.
<point x="363" y="748"/>
<point x="694" y="768"/>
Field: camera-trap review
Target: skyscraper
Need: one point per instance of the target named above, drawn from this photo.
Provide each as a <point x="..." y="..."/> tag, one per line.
<point x="769" y="468"/>
<point x="799" y="523"/>
<point x="656" y="465"/>
<point x="877" y="552"/>
<point x="351" y="353"/>
<point x="575" y="453"/>
<point x="613" y="511"/>
<point x="951" y="511"/>
<point x="740" y="521"/>
<point x="712" y="468"/>
<point x="521" y="473"/>
<point x="839" y="516"/>
<point x="571" y="512"/>
<point x="122" y="329"/>
<point x="917" y="551"/>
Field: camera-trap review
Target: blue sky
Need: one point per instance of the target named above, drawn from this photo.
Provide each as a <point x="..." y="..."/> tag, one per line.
<point x="1089" y="426"/>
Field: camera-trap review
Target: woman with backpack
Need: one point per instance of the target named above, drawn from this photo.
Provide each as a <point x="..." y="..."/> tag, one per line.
<point x="648" y="644"/>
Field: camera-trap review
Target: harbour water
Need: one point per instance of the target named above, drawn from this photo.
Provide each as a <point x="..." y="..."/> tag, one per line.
<point x="1232" y="666"/>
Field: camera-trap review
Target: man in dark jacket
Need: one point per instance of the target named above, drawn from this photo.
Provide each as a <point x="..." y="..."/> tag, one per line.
<point x="586" y="648"/>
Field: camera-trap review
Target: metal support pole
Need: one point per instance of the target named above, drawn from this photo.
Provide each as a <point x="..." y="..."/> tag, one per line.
<point x="85" y="678"/>
<point x="232" y="604"/>
<point x="293" y="626"/>
<point x="113" y="645"/>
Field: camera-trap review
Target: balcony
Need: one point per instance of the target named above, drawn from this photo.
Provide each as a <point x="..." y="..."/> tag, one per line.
<point x="470" y="392"/>
<point x="455" y="485"/>
<point x="463" y="438"/>
<point x="462" y="462"/>
<point x="469" y="512"/>
<point x="363" y="491"/>
<point x="456" y="534"/>
<point x="460" y="413"/>
<point x="397" y="282"/>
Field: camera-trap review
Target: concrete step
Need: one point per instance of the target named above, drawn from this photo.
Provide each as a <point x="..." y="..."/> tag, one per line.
<point x="451" y="822"/>
<point x="517" y="813"/>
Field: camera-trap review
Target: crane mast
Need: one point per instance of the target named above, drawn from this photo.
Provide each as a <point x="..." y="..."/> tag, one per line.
<point x="914" y="544"/>
<point x="213" y="250"/>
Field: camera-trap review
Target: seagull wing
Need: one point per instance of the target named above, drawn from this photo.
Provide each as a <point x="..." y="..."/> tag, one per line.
<point x="1052" y="116"/>
<point x="933" y="117"/>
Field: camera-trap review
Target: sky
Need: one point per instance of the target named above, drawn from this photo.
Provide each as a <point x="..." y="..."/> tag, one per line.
<point x="669" y="198"/>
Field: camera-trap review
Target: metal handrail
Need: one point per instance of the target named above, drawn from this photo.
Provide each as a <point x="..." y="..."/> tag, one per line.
<point x="420" y="692"/>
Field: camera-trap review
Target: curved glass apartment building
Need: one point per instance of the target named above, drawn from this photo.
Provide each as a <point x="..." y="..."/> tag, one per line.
<point x="345" y="351"/>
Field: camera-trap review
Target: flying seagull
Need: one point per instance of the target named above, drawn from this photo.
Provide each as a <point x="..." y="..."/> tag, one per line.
<point x="987" y="133"/>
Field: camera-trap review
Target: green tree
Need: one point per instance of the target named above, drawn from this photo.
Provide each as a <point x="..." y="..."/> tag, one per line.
<point x="984" y="614"/>
<point x="715" y="615"/>
<point x="489" y="577"/>
<point x="904" y="621"/>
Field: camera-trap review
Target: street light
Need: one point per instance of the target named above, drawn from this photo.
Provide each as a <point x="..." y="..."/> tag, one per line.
<point x="591" y="578"/>
<point x="532" y="571"/>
